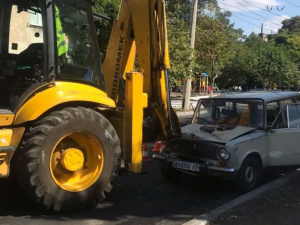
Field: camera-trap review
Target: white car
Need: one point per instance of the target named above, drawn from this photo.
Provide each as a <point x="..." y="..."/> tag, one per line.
<point x="236" y="136"/>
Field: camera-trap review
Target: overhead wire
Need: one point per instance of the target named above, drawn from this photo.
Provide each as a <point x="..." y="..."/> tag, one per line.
<point x="251" y="9"/>
<point x="250" y="22"/>
<point x="241" y="14"/>
<point x="239" y="8"/>
<point x="269" y="11"/>
<point x="287" y="6"/>
<point x="255" y="12"/>
<point x="265" y="19"/>
<point x="291" y="3"/>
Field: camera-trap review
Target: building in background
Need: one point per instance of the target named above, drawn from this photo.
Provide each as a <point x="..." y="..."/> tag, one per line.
<point x="26" y="28"/>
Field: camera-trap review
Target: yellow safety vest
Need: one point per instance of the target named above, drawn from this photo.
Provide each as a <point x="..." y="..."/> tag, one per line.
<point x="62" y="47"/>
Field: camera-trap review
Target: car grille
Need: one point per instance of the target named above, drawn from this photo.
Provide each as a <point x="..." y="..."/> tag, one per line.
<point x="188" y="149"/>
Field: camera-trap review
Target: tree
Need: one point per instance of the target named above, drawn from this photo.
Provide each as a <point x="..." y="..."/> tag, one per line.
<point x="110" y="9"/>
<point x="240" y="69"/>
<point x="289" y="38"/>
<point x="257" y="63"/>
<point x="291" y="25"/>
<point x="182" y="62"/>
<point x="183" y="7"/>
<point x="215" y="36"/>
<point x="276" y="67"/>
<point x="179" y="48"/>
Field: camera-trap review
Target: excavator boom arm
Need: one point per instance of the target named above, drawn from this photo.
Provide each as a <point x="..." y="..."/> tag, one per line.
<point x="139" y="43"/>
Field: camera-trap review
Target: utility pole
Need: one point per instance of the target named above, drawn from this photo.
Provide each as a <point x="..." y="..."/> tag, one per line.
<point x="187" y="83"/>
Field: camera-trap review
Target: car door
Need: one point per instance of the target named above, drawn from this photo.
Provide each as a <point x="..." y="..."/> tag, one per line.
<point x="284" y="136"/>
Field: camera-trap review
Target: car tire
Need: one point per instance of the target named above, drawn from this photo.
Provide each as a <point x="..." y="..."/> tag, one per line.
<point x="249" y="175"/>
<point x="68" y="159"/>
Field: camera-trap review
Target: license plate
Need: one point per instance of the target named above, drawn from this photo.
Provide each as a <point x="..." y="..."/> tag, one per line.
<point x="186" y="166"/>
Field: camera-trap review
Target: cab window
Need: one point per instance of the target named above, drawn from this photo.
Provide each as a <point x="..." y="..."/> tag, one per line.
<point x="26" y="29"/>
<point x="22" y="47"/>
<point x="78" y="59"/>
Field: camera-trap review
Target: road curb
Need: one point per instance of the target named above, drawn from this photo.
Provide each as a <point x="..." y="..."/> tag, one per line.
<point x="206" y="218"/>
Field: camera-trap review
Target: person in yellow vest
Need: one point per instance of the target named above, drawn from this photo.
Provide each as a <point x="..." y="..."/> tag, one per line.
<point x="62" y="47"/>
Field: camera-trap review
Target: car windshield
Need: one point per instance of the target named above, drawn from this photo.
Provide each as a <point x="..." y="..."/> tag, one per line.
<point x="231" y="112"/>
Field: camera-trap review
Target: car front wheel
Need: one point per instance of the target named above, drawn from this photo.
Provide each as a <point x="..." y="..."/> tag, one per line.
<point x="249" y="175"/>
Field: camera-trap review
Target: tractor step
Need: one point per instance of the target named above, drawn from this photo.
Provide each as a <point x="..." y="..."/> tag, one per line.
<point x="5" y="111"/>
<point x="6" y="117"/>
<point x="7" y="149"/>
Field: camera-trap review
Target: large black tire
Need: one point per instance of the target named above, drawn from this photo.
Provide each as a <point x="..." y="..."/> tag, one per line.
<point x="249" y="175"/>
<point x="56" y="146"/>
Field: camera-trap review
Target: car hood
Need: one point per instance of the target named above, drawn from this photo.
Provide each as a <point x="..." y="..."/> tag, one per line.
<point x="193" y="132"/>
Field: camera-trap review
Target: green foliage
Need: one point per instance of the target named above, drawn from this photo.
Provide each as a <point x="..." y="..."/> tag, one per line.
<point x="214" y="39"/>
<point x="291" y="25"/>
<point x="108" y="8"/>
<point x="179" y="7"/>
<point x="179" y="48"/>
<point x="182" y="8"/>
<point x="258" y="63"/>
<point x="240" y="70"/>
<point x="183" y="58"/>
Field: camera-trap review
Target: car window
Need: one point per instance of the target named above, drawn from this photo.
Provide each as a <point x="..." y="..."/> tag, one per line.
<point x="293" y="115"/>
<point x="286" y="114"/>
<point x="243" y="113"/>
<point x="287" y="101"/>
<point x="281" y="119"/>
<point x="272" y="111"/>
<point x="230" y="112"/>
<point x="256" y="115"/>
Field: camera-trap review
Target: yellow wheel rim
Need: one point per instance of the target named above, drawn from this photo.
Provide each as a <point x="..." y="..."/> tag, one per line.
<point x="77" y="161"/>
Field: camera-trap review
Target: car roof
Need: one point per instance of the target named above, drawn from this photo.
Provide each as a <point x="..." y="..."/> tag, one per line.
<point x="266" y="96"/>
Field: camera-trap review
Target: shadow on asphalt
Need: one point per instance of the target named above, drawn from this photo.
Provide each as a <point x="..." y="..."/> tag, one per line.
<point x="14" y="202"/>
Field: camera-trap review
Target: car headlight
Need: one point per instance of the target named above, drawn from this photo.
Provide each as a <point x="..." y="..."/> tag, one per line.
<point x="223" y="154"/>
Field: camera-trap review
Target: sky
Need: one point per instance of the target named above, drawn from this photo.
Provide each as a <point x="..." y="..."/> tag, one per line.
<point x="251" y="14"/>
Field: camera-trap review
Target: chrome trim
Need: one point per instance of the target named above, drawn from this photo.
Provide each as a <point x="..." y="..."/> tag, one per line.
<point x="211" y="167"/>
<point x="159" y="156"/>
<point x="223" y="169"/>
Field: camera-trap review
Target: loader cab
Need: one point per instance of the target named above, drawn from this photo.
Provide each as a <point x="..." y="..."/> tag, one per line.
<point x="45" y="41"/>
<point x="21" y="49"/>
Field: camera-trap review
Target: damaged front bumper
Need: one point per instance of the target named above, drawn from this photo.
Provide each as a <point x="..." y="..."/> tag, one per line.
<point x="205" y="167"/>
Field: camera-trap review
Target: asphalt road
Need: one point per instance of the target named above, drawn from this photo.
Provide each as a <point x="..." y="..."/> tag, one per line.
<point x="135" y="199"/>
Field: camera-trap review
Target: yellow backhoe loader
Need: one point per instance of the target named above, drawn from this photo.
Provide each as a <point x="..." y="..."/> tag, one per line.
<point x="67" y="122"/>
